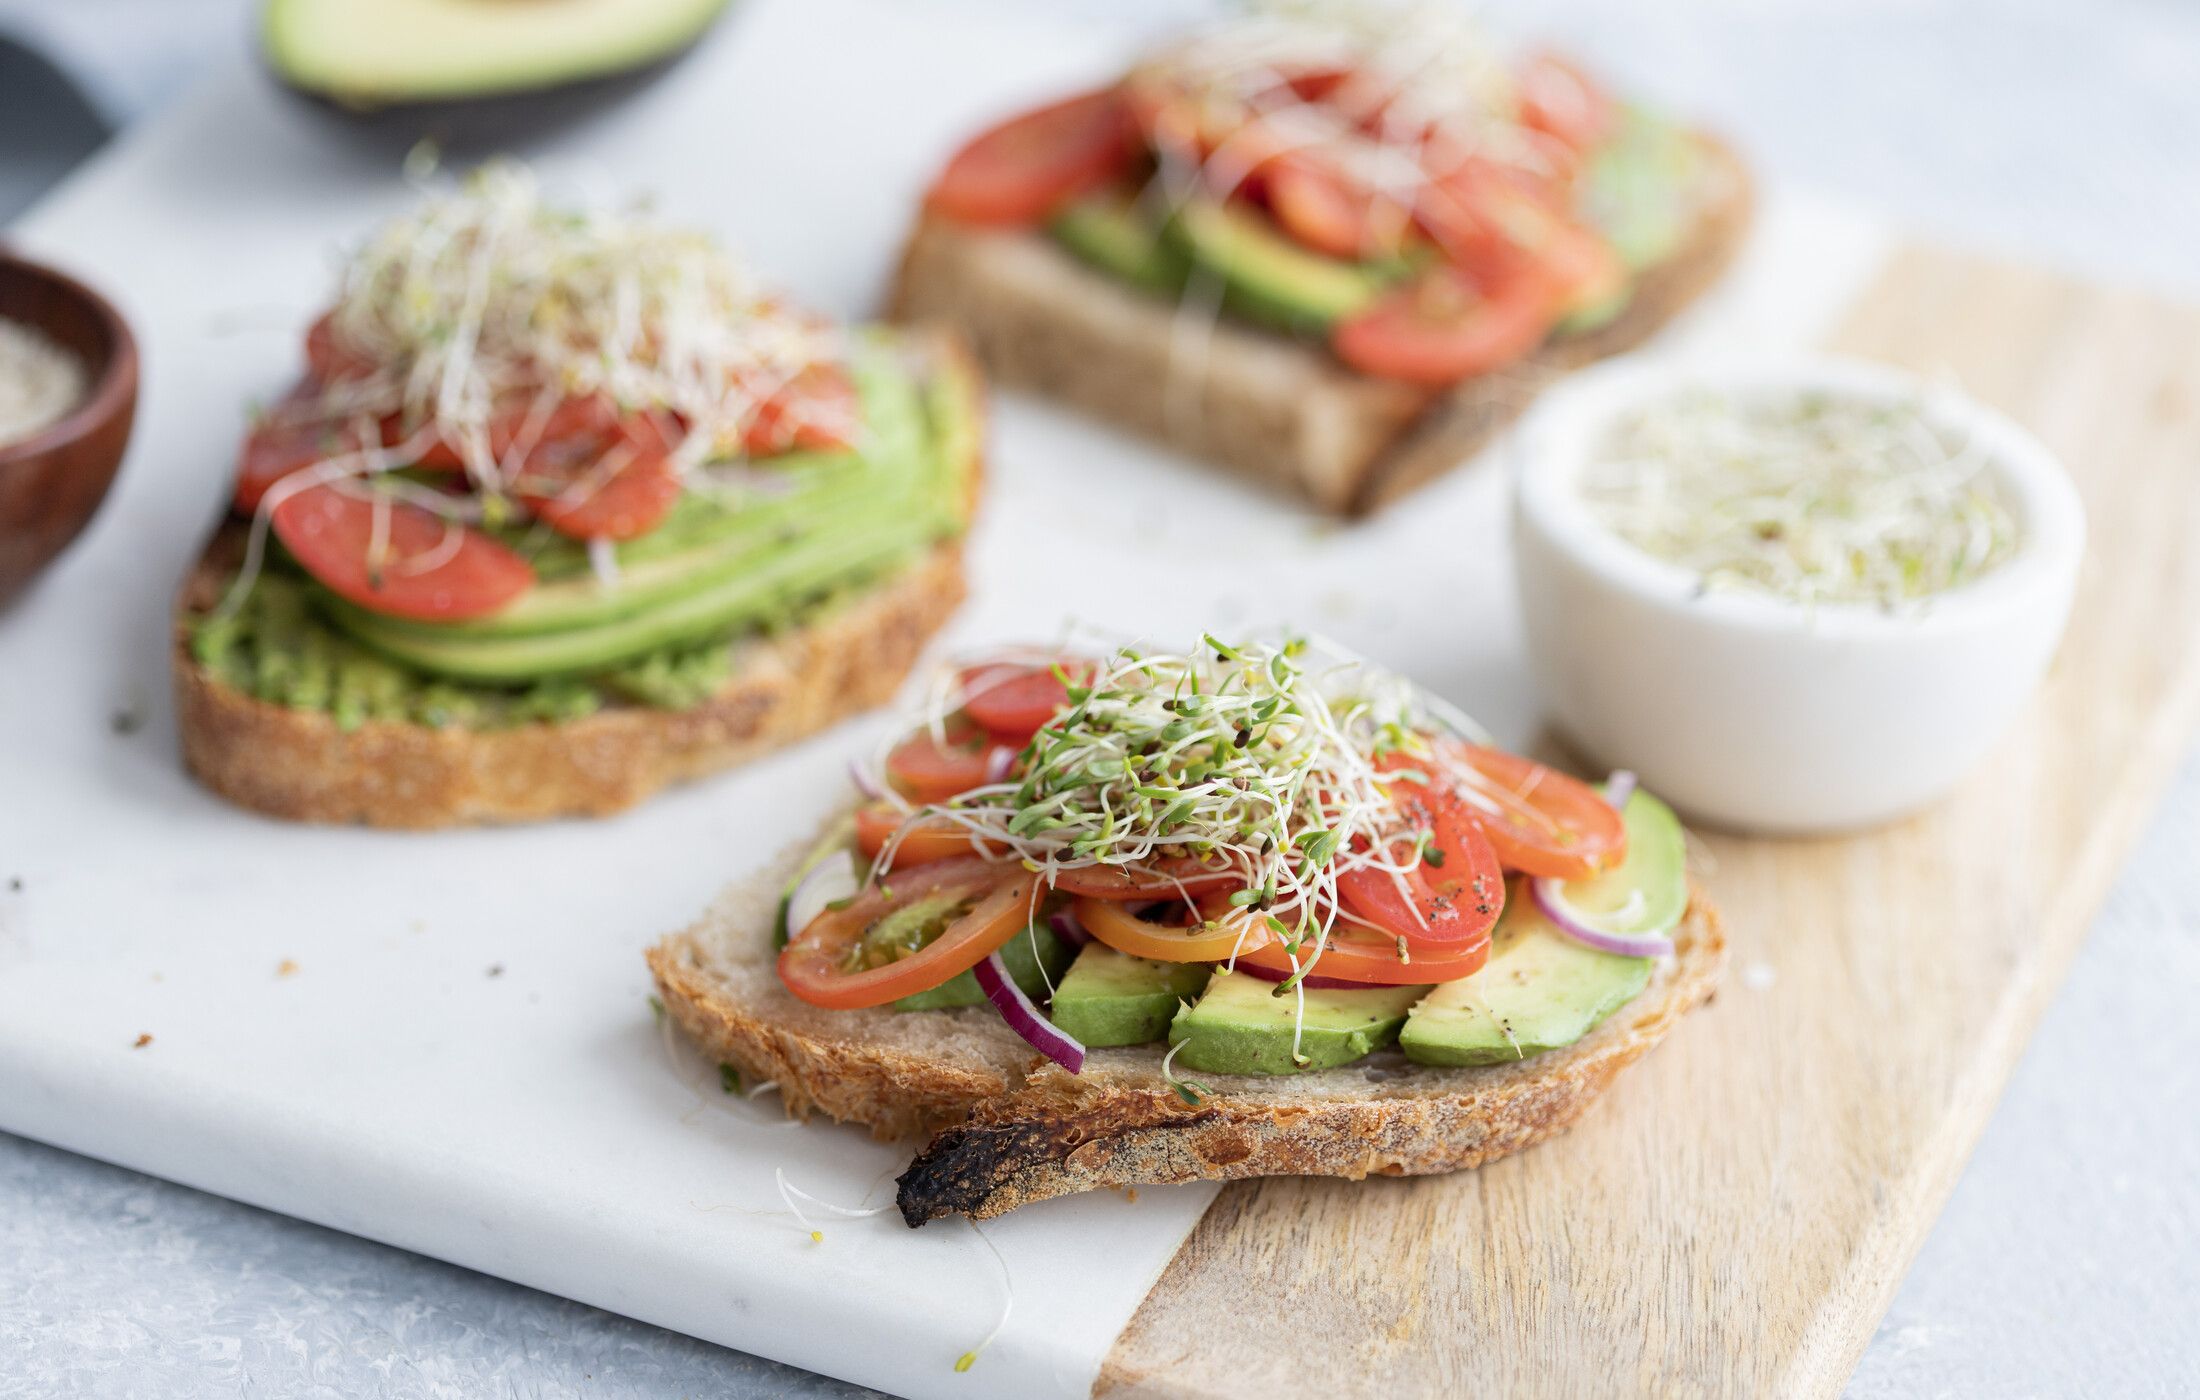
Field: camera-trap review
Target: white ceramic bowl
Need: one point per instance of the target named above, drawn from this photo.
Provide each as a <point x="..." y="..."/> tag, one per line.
<point x="1749" y="711"/>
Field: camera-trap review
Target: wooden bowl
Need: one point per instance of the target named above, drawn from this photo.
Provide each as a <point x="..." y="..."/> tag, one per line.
<point x="51" y="483"/>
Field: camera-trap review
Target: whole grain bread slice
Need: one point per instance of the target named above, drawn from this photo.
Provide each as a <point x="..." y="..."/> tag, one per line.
<point x="1272" y="407"/>
<point x="1007" y="1127"/>
<point x="302" y="766"/>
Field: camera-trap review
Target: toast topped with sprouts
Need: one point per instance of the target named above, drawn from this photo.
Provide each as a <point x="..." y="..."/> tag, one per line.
<point x="1333" y="247"/>
<point x="1255" y="909"/>
<point x="566" y="507"/>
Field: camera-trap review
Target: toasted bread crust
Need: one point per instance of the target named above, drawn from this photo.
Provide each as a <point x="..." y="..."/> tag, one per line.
<point x="299" y="765"/>
<point x="1271" y="407"/>
<point x="1012" y="1129"/>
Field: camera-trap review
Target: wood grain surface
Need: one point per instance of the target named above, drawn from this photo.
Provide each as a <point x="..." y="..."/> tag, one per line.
<point x="1734" y="1220"/>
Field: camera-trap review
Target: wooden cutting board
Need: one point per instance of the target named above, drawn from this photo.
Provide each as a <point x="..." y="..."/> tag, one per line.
<point x="1736" y="1218"/>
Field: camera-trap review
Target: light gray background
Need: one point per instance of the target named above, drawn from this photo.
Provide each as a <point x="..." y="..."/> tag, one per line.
<point x="2068" y="1260"/>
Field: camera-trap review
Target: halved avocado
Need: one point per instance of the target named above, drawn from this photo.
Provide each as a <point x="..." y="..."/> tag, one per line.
<point x="365" y="55"/>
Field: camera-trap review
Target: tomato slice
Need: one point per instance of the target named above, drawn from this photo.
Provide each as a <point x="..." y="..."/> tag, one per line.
<point x="1356" y="953"/>
<point x="1164" y="879"/>
<point x="1181" y="934"/>
<point x="1446" y="325"/>
<point x="926" y="840"/>
<point x="1021" y="171"/>
<point x="1560" y="100"/>
<point x="1540" y="821"/>
<point x="854" y="956"/>
<point x="415" y="564"/>
<point x="1013" y="701"/>
<point x="817" y="410"/>
<point x="1331" y="214"/>
<point x="329" y="358"/>
<point x="515" y="418"/>
<point x="615" y="484"/>
<point x="291" y="437"/>
<point x="1450" y="901"/>
<point x="929" y="771"/>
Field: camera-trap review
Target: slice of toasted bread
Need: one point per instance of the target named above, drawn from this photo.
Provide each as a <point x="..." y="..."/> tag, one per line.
<point x="300" y="765"/>
<point x="1011" y="1128"/>
<point x="1282" y="410"/>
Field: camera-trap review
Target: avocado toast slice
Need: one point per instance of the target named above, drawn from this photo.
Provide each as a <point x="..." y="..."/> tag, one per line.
<point x="1320" y="929"/>
<point x="305" y="719"/>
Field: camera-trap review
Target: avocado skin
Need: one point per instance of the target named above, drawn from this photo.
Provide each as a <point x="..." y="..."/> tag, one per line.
<point x="1241" y="1026"/>
<point x="1540" y="989"/>
<point x="1111" y="998"/>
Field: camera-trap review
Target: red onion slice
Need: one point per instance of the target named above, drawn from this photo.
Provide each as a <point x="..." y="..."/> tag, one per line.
<point x="833" y="878"/>
<point x="1550" y="897"/>
<point x="1619" y="787"/>
<point x="998" y="760"/>
<point x="1024" y="1018"/>
<point x="859" y="773"/>
<point x="1065" y="926"/>
<point x="1313" y="982"/>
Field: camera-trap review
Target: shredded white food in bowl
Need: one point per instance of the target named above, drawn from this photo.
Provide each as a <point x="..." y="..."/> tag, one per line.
<point x="40" y="381"/>
<point x="1813" y="497"/>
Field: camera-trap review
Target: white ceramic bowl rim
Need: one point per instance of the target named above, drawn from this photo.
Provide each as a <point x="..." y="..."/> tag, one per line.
<point x="1571" y="420"/>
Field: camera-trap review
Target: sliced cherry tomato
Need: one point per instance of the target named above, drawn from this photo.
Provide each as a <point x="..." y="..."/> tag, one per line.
<point x="926" y="840"/>
<point x="1559" y="99"/>
<point x="1450" y="901"/>
<point x="1179" y="934"/>
<point x="413" y="564"/>
<point x="330" y="358"/>
<point x="1165" y="879"/>
<point x="1446" y="325"/>
<point x="932" y="772"/>
<point x="1356" y="953"/>
<point x="616" y="484"/>
<point x="516" y="419"/>
<point x="1014" y="701"/>
<point x="1021" y="171"/>
<point x="1540" y="821"/>
<point x="840" y="960"/>
<point x="291" y="437"/>
<point x="818" y="410"/>
<point x="1332" y="214"/>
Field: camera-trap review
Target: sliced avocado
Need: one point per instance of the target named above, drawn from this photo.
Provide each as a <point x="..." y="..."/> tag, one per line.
<point x="1540" y="989"/>
<point x="1111" y="998"/>
<point x="1241" y="1026"/>
<point x="403" y="52"/>
<point x="1269" y="278"/>
<point x="1639" y="190"/>
<point x="1025" y="956"/>
<point x="1112" y="233"/>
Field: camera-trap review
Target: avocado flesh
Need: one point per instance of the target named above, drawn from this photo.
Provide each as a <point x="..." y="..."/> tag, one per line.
<point x="1113" y="234"/>
<point x="1110" y="998"/>
<point x="1241" y="1026"/>
<point x="1034" y="959"/>
<point x="1270" y="279"/>
<point x="396" y="52"/>
<point x="281" y="645"/>
<point x="1637" y="193"/>
<point x="1540" y="989"/>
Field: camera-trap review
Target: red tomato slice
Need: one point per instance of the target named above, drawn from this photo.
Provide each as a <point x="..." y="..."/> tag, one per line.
<point x="1540" y="821"/>
<point x="1014" y="701"/>
<point x="423" y="567"/>
<point x="1560" y="100"/>
<point x="515" y="420"/>
<point x="928" y="840"/>
<point x="613" y="485"/>
<point x="1021" y="171"/>
<point x="929" y="771"/>
<point x="1330" y="214"/>
<point x="817" y="410"/>
<point x="291" y="437"/>
<point x="1356" y="953"/>
<point x="329" y="358"/>
<point x="1451" y="901"/>
<point x="1165" y="879"/>
<point x="1179" y="935"/>
<point x="1446" y="325"/>
<point x="985" y="904"/>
